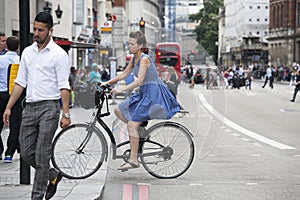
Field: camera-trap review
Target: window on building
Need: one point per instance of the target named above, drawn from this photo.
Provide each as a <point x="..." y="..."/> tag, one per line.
<point x="79" y="11"/>
<point x="258" y="7"/>
<point x="257" y="19"/>
<point x="266" y="19"/>
<point x="250" y="20"/>
<point x="250" y="7"/>
<point x="89" y="18"/>
<point x="298" y="20"/>
<point x="281" y="11"/>
<point x="266" y="32"/>
<point x="250" y="33"/>
<point x="277" y="16"/>
<point x="267" y="7"/>
<point x="257" y="32"/>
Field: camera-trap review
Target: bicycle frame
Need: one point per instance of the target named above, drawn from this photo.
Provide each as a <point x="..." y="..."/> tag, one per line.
<point x="98" y="118"/>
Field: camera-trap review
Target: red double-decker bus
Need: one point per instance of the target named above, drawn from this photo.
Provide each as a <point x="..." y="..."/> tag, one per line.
<point x="167" y="54"/>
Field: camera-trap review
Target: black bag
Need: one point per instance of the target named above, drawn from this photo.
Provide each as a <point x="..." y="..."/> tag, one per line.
<point x="85" y="95"/>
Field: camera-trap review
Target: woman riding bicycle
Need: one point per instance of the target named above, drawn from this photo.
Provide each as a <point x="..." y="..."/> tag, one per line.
<point x="152" y="101"/>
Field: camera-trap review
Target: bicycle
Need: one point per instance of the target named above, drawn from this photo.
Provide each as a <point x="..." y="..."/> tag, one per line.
<point x="166" y="150"/>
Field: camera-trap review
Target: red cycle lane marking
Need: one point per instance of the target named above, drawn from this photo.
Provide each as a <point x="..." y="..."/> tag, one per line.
<point x="127" y="192"/>
<point x="143" y="192"/>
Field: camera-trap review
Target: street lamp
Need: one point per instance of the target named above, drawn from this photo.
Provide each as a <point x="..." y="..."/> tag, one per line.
<point x="47" y="8"/>
<point x="58" y="11"/>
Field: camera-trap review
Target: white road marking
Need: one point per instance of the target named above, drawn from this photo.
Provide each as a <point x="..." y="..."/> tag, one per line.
<point x="195" y="184"/>
<point x="256" y="144"/>
<point x="250" y="184"/>
<point x="241" y="129"/>
<point x="245" y="139"/>
<point x="144" y="184"/>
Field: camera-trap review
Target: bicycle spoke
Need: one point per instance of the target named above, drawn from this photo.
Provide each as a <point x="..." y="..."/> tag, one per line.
<point x="176" y="151"/>
<point x="77" y="163"/>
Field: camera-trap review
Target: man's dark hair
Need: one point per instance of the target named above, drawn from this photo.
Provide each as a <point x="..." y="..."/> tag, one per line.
<point x="2" y="34"/>
<point x="72" y="69"/>
<point x="12" y="43"/>
<point x="46" y="18"/>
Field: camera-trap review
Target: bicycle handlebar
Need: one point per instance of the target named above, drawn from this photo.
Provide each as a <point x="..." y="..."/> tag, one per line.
<point x="103" y="97"/>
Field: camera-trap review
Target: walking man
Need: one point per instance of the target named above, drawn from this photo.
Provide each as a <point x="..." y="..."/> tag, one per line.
<point x="297" y="85"/>
<point x="44" y="71"/>
<point x="11" y="57"/>
<point x="2" y="43"/>
<point x="269" y="77"/>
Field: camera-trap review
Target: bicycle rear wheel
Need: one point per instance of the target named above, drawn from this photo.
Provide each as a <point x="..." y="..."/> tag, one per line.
<point x="169" y="150"/>
<point x="78" y="151"/>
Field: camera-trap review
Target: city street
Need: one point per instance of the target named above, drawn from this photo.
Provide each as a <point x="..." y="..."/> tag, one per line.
<point x="247" y="147"/>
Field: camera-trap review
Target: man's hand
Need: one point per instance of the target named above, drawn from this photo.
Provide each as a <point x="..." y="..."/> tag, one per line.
<point x="64" y="122"/>
<point x="6" y="117"/>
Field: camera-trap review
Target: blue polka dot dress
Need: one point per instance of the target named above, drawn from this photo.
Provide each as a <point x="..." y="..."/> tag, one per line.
<point x="153" y="99"/>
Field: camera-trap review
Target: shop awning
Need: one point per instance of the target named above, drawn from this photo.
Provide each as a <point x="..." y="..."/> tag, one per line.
<point x="63" y="42"/>
<point x="83" y="45"/>
<point x="71" y="44"/>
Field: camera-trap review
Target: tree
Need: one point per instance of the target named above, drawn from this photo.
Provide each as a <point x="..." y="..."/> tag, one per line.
<point x="207" y="30"/>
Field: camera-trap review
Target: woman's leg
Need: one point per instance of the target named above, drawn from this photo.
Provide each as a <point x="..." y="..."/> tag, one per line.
<point x="120" y="115"/>
<point x="134" y="140"/>
<point x="134" y="146"/>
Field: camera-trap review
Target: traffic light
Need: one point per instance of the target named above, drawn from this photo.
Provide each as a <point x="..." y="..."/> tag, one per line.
<point x="142" y="25"/>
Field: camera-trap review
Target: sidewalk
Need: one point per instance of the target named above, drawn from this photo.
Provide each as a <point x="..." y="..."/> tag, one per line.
<point x="87" y="189"/>
<point x="10" y="188"/>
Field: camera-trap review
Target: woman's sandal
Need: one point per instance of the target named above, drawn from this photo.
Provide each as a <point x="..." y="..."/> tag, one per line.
<point x="130" y="165"/>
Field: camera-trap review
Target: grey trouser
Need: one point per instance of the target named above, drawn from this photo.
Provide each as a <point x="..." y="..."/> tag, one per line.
<point x="39" y="123"/>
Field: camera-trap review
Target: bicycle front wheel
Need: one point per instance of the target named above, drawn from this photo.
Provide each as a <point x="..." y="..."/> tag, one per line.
<point x="168" y="151"/>
<point x="78" y="151"/>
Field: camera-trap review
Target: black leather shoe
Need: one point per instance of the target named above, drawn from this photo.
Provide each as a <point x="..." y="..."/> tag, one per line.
<point x="292" y="100"/>
<point x="51" y="189"/>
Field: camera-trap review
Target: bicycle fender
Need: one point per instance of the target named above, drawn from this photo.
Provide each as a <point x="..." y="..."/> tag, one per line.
<point x="171" y="123"/>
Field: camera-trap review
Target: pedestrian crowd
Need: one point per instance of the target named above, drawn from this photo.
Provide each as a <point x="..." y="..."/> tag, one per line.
<point x="238" y="76"/>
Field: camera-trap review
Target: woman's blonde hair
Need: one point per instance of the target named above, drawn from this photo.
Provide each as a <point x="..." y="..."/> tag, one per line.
<point x="140" y="37"/>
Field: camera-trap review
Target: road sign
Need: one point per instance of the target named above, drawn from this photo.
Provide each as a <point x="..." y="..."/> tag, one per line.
<point x="113" y="18"/>
<point x="106" y="27"/>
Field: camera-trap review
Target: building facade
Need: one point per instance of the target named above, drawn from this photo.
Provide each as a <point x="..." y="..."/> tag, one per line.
<point x="284" y="34"/>
<point x="244" y="40"/>
<point x="79" y="29"/>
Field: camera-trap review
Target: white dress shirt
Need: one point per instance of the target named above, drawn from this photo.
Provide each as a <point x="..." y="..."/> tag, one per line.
<point x="269" y="72"/>
<point x="44" y="73"/>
